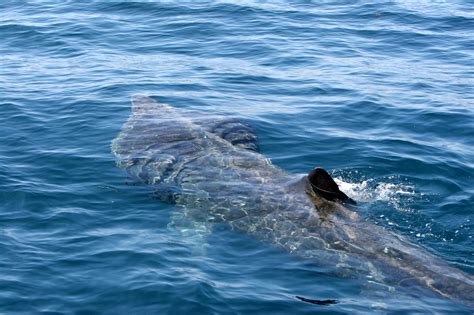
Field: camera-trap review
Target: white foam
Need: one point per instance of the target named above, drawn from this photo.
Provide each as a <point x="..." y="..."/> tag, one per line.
<point x="370" y="190"/>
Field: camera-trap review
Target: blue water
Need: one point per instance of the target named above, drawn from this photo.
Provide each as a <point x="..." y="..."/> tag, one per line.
<point x="379" y="93"/>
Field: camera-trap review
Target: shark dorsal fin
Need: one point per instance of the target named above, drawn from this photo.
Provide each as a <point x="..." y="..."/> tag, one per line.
<point x="323" y="185"/>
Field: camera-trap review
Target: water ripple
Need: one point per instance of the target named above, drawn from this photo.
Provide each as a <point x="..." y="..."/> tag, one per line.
<point x="380" y="93"/>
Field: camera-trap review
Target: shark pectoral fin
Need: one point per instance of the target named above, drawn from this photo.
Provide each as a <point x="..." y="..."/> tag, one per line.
<point x="234" y="130"/>
<point x="193" y="232"/>
<point x="323" y="185"/>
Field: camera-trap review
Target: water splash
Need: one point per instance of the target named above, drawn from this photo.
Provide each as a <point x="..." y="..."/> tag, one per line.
<point x="393" y="192"/>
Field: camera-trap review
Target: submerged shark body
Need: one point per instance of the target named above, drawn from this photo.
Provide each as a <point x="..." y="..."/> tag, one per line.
<point x="211" y="166"/>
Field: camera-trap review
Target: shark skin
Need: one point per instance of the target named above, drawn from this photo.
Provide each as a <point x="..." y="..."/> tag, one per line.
<point x="211" y="168"/>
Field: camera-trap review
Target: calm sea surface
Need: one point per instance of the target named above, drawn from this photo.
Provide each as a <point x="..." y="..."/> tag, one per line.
<point x="379" y="93"/>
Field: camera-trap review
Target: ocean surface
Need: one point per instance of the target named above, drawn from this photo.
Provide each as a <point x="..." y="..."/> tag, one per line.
<point x="379" y="93"/>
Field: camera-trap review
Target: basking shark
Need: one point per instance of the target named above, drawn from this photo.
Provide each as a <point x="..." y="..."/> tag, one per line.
<point x="212" y="168"/>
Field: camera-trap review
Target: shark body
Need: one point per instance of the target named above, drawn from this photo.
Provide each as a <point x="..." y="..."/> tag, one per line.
<point x="211" y="167"/>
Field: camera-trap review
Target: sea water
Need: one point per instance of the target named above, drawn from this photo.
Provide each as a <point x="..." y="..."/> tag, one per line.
<point x="380" y="93"/>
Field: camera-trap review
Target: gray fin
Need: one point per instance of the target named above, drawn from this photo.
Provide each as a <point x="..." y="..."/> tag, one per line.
<point x="323" y="185"/>
<point x="193" y="232"/>
<point x="234" y="130"/>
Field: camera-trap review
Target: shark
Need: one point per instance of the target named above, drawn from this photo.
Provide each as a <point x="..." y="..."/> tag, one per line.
<point x="211" y="167"/>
